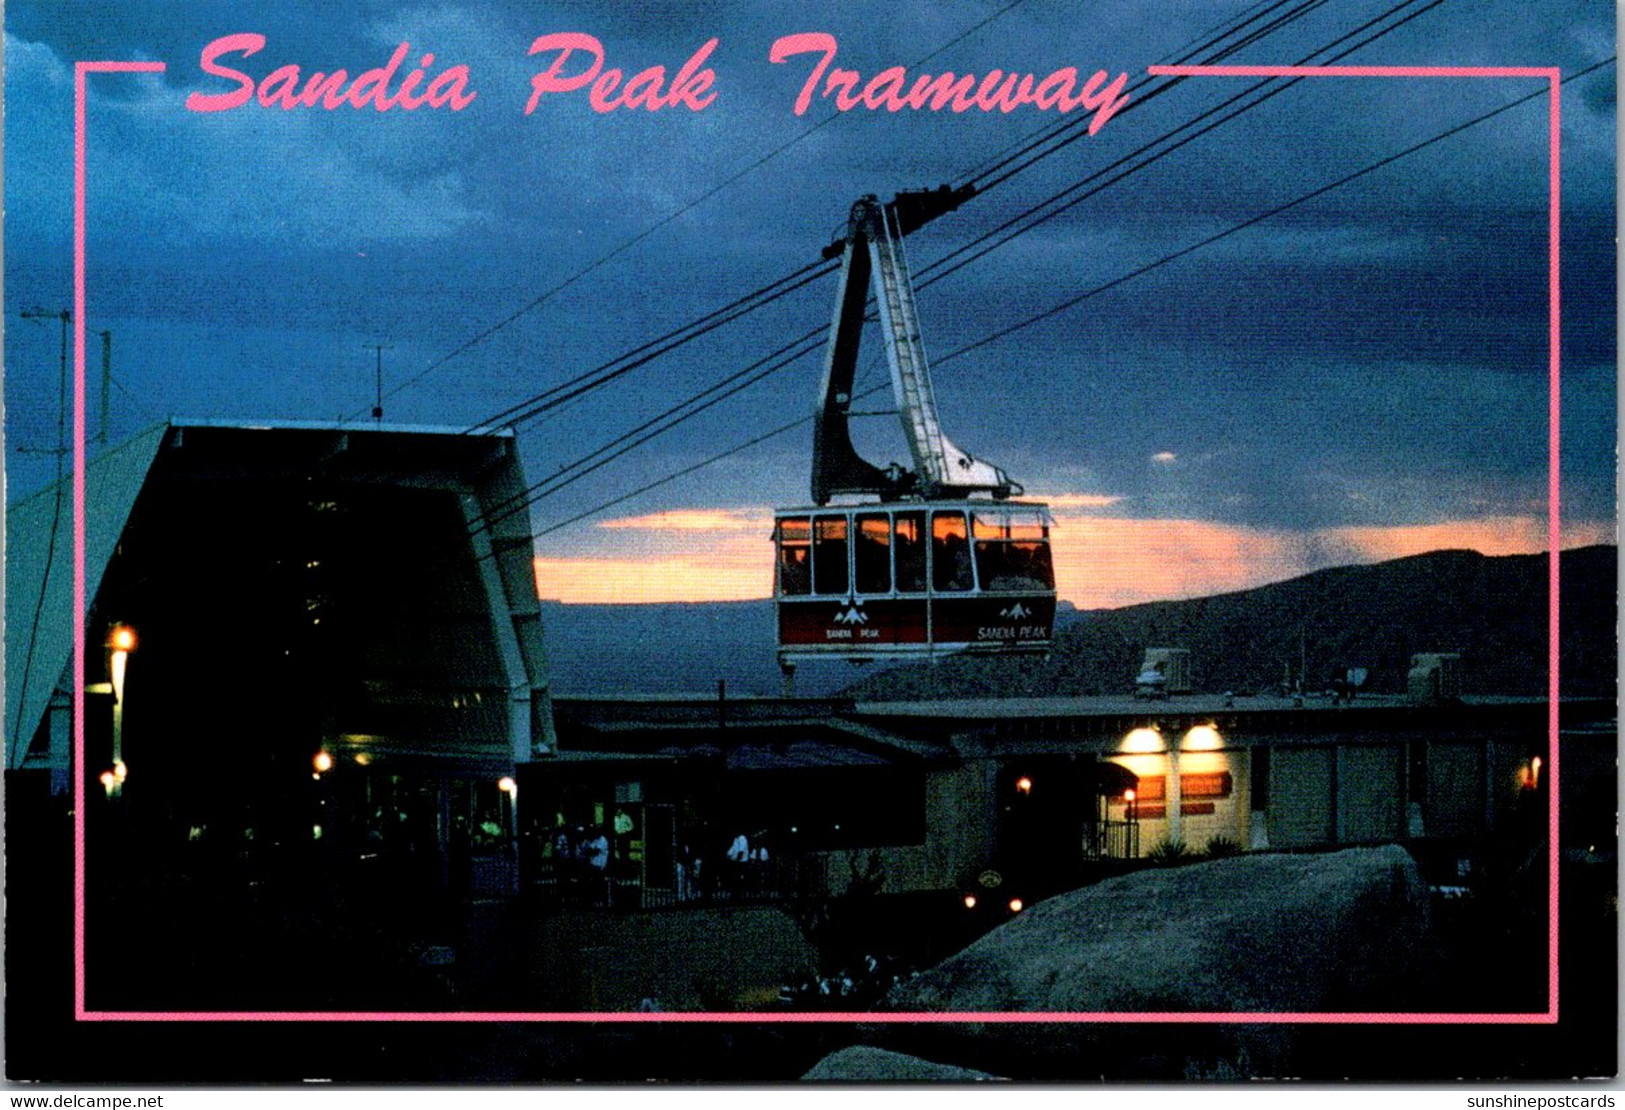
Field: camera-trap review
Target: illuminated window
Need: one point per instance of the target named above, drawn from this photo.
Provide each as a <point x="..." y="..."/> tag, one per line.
<point x="829" y="555"/>
<point x="795" y="556"/>
<point x="871" y="558"/>
<point x="908" y="531"/>
<point x="950" y="553"/>
<point x="1012" y="551"/>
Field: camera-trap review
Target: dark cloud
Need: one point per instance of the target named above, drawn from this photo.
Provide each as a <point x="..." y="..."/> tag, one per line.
<point x="1389" y="336"/>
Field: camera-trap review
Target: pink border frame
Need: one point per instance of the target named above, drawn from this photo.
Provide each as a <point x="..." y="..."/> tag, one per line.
<point x="1553" y="75"/>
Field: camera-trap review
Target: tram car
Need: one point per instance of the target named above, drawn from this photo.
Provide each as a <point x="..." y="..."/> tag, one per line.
<point x="939" y="560"/>
<point x="914" y="578"/>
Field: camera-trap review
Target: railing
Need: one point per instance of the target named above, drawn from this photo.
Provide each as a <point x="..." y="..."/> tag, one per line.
<point x="777" y="882"/>
<point x="1108" y="839"/>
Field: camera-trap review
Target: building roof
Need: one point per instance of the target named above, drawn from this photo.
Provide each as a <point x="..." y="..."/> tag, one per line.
<point x="977" y="709"/>
<point x="39" y="575"/>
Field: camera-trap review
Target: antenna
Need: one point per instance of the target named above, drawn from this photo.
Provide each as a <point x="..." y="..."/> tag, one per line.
<point x="378" y="380"/>
<point x="66" y="317"/>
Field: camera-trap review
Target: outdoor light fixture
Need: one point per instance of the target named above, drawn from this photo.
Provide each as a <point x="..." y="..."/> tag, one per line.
<point x="323" y="762"/>
<point x="1129" y="796"/>
<point x="121" y="639"/>
<point x="1015" y="905"/>
<point x="1203" y="738"/>
<point x="508" y="786"/>
<point x="1143" y="741"/>
<point x="1024" y="785"/>
<point x="1529" y="776"/>
<point x="970" y="901"/>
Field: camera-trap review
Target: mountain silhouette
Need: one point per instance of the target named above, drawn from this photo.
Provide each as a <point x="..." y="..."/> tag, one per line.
<point x="1490" y="609"/>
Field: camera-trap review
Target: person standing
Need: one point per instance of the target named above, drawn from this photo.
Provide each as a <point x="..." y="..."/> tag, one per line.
<point x="595" y="856"/>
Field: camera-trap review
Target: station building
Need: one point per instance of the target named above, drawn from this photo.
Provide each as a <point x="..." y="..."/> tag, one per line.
<point x="933" y="795"/>
<point x="295" y="633"/>
<point x="325" y="637"/>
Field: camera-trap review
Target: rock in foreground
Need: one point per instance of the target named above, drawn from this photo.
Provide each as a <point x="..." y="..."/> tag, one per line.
<point x="861" y="1064"/>
<point x="1255" y="933"/>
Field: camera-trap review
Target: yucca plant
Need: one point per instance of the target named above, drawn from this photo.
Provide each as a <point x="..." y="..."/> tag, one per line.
<point x="1169" y="852"/>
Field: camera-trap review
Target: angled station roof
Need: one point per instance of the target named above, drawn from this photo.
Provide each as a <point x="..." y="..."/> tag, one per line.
<point x="39" y="575"/>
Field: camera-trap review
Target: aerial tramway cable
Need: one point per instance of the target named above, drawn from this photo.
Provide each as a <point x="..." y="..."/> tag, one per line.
<point x="741" y="380"/>
<point x="643" y="354"/>
<point x="552" y="291"/>
<point x="1087" y="294"/>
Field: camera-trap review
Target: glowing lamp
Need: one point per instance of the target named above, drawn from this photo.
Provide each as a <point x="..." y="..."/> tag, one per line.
<point x="107" y="779"/>
<point x="323" y="763"/>
<point x="122" y="638"/>
<point x="1024" y="785"/>
<point x="120" y="771"/>
<point x="1143" y="741"/>
<point x="1129" y="796"/>
<point x="970" y="901"/>
<point x="507" y="785"/>
<point x="1016" y="905"/>
<point x="1203" y="738"/>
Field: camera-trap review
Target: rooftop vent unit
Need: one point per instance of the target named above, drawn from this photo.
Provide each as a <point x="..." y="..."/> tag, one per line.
<point x="1163" y="673"/>
<point x="1434" y="677"/>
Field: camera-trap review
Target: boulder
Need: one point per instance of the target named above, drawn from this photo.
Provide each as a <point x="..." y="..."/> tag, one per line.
<point x="1340" y="931"/>
<point x="863" y="1064"/>
<point x="1251" y="933"/>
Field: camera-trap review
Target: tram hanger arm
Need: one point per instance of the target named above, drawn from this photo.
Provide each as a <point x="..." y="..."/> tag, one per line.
<point x="873" y="253"/>
<point x="911" y="210"/>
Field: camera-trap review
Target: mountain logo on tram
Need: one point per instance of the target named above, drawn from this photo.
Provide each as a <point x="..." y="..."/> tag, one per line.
<point x="1016" y="612"/>
<point x="852" y="615"/>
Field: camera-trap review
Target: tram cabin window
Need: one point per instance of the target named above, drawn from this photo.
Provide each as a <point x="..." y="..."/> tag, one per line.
<point x="950" y="553"/>
<point x="908" y="549"/>
<point x="829" y="555"/>
<point x="1012" y="551"/>
<point x="795" y="556"/>
<point x="871" y="558"/>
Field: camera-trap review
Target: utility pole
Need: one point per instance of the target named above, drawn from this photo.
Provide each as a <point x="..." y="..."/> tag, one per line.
<point x="56" y="511"/>
<point x="378" y="381"/>
<point x="66" y="317"/>
<point x="107" y="380"/>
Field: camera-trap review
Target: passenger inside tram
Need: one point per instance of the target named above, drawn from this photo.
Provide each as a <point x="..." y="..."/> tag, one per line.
<point x="1012" y="553"/>
<point x="795" y="557"/>
<point x="829" y="555"/>
<point x="871" y="558"/>
<point x="909" y="529"/>
<point x="950" y="553"/>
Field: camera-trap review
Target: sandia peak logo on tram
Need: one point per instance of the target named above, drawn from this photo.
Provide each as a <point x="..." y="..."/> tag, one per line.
<point x="851" y="615"/>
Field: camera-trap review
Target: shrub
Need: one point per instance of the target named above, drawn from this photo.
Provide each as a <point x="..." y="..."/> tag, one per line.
<point x="1221" y="846"/>
<point x="1169" y="852"/>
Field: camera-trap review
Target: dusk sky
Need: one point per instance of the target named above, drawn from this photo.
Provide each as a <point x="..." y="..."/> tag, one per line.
<point x="1360" y="377"/>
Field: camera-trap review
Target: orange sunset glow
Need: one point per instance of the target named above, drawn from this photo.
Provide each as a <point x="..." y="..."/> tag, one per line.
<point x="1100" y="561"/>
